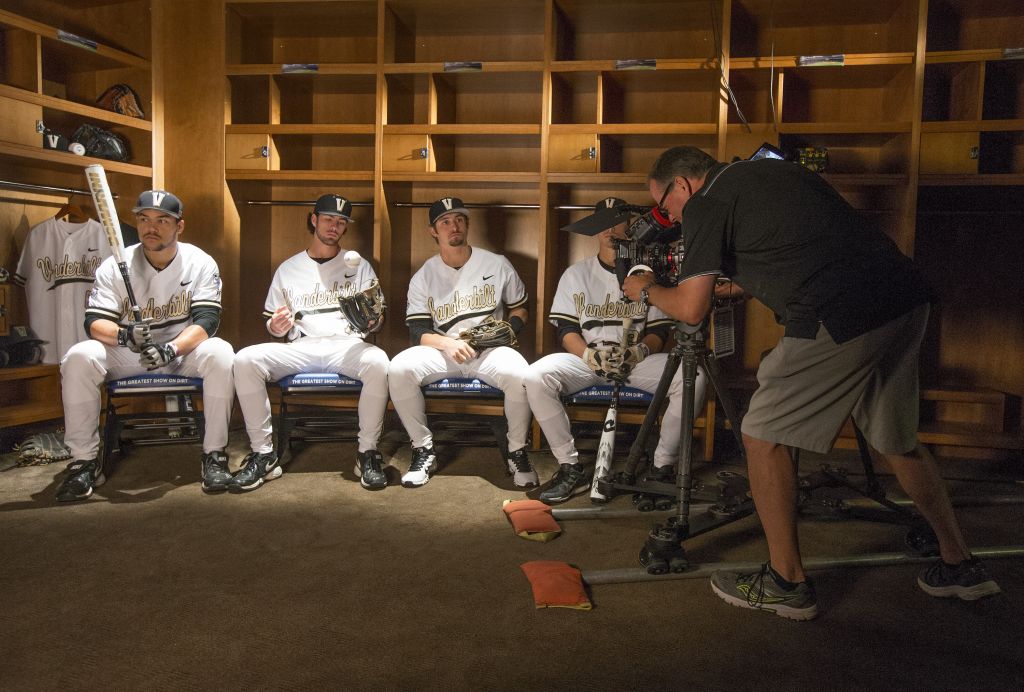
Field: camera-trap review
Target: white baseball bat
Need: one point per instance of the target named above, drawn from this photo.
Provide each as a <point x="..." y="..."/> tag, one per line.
<point x="606" y="445"/>
<point x="104" y="203"/>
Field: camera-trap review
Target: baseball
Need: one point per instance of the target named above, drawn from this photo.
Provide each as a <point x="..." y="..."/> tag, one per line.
<point x="77" y="148"/>
<point x="352" y="258"/>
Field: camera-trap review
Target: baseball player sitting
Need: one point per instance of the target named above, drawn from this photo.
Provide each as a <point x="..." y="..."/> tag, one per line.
<point x="588" y="312"/>
<point x="458" y="289"/>
<point x="178" y="287"/>
<point x="303" y="307"/>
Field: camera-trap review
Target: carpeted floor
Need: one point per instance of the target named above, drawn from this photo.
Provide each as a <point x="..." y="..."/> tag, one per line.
<point x="313" y="583"/>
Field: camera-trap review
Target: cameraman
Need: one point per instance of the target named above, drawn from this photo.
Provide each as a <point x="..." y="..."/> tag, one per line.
<point x="854" y="311"/>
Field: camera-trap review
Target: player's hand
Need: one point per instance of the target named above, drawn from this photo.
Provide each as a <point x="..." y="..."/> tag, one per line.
<point x="155" y="356"/>
<point x="635" y="283"/>
<point x="459" y="351"/>
<point x="281" y="322"/>
<point x="135" y="335"/>
<point x="633" y="355"/>
<point x="606" y="361"/>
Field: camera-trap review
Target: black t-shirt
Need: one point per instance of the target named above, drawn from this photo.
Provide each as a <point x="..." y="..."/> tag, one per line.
<point x="792" y="242"/>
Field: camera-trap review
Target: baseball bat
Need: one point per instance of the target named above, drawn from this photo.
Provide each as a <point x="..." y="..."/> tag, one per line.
<point x="104" y="203"/>
<point x="606" y="445"/>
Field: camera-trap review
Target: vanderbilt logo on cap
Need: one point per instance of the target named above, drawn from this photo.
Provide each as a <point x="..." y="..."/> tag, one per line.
<point x="447" y="203"/>
<point x="158" y="198"/>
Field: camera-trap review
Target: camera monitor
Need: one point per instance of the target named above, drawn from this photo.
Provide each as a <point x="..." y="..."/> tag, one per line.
<point x="767" y="151"/>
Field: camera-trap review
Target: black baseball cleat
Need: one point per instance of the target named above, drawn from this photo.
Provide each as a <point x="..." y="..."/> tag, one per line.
<point x="570" y="480"/>
<point x="423" y="466"/>
<point x="257" y="468"/>
<point x="522" y="472"/>
<point x="215" y="472"/>
<point x="83" y="476"/>
<point x="370" y="470"/>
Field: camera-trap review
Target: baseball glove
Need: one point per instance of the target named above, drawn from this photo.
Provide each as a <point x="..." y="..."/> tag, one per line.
<point x="364" y="309"/>
<point x="488" y="334"/>
<point x="42" y="448"/>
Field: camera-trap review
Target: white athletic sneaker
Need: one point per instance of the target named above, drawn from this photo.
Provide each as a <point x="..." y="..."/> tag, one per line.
<point x="424" y="464"/>
<point x="522" y="472"/>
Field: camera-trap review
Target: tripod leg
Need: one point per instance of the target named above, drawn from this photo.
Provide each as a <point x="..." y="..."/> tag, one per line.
<point x="637" y="449"/>
<point x="710" y="365"/>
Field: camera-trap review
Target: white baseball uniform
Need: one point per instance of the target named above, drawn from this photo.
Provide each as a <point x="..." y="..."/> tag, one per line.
<point x="56" y="268"/>
<point x="453" y="300"/>
<point x="167" y="297"/>
<point x="321" y="341"/>
<point x="589" y="296"/>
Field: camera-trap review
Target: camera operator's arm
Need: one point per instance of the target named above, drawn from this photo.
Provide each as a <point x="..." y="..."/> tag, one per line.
<point x="688" y="302"/>
<point x="727" y="288"/>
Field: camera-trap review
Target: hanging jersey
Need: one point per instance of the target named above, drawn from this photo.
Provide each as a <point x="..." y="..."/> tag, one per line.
<point x="456" y="299"/>
<point x="167" y="296"/>
<point x="57" y="268"/>
<point x="589" y="296"/>
<point x="311" y="291"/>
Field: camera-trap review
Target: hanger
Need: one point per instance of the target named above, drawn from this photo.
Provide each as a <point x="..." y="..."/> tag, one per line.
<point x="72" y="211"/>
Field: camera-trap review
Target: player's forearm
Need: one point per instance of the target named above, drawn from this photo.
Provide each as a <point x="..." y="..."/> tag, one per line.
<point x="104" y="331"/>
<point x="573" y="343"/>
<point x="438" y="341"/>
<point x="688" y="302"/>
<point x="189" y="339"/>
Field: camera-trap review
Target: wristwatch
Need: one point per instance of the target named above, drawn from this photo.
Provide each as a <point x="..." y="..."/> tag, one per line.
<point x="645" y="297"/>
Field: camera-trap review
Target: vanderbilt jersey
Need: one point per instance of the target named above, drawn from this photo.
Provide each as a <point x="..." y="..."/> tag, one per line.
<point x="589" y="296"/>
<point x="456" y="299"/>
<point x="166" y="297"/>
<point x="311" y="291"/>
<point x="57" y="268"/>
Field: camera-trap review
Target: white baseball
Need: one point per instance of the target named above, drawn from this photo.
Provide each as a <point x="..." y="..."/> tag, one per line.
<point x="77" y="148"/>
<point x="352" y="258"/>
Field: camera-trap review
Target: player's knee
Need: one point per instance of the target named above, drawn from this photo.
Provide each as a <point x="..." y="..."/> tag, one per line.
<point x="83" y="355"/>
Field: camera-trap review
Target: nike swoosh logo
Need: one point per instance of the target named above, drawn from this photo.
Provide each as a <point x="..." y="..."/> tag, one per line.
<point x="349" y="276"/>
<point x="92" y="249"/>
<point x="186" y="283"/>
<point x="487" y="277"/>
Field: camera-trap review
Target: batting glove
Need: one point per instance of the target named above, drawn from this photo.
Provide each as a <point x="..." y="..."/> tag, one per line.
<point x="605" y="361"/>
<point x="155" y="356"/>
<point x="134" y="336"/>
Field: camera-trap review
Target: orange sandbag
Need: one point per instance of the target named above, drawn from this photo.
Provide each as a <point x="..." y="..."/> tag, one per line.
<point x="532" y="520"/>
<point x="556" y="585"/>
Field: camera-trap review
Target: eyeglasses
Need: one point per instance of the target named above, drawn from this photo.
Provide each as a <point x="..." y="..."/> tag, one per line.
<point x="163" y="222"/>
<point x="664" y="196"/>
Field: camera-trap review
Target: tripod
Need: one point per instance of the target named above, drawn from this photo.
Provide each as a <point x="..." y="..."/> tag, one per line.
<point x="663" y="552"/>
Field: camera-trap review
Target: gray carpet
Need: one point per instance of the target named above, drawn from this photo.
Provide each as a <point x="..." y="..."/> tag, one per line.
<point x="313" y="583"/>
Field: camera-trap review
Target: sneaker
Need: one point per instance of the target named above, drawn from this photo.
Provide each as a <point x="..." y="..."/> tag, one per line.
<point x="424" y="464"/>
<point x="968" y="581"/>
<point x="257" y="468"/>
<point x="661" y="474"/>
<point x="83" y="476"/>
<point x="370" y="470"/>
<point x="523" y="475"/>
<point x="215" y="472"/>
<point x="761" y="591"/>
<point x="570" y="479"/>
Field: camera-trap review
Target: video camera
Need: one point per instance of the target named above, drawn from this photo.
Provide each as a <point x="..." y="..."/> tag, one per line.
<point x="652" y="239"/>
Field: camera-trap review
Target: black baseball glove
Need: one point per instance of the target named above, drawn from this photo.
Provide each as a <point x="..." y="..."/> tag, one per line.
<point x="488" y="334"/>
<point x="364" y="309"/>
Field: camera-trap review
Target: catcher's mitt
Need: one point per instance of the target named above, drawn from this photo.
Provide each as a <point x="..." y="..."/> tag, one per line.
<point x="488" y="334"/>
<point x="364" y="309"/>
<point x="42" y="448"/>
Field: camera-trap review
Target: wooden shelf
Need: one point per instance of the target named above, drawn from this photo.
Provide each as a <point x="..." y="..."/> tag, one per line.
<point x="975" y="179"/>
<point x="485" y="66"/>
<point x="963" y="56"/>
<point x="62" y="160"/>
<point x="610" y="65"/>
<point x="299" y="129"/>
<point x="463" y="129"/>
<point x="637" y="129"/>
<point x="299" y="175"/>
<point x="40" y="396"/>
<point x="461" y="177"/>
<point x="66" y="106"/>
<point x="113" y="56"/>
<point x="791" y="61"/>
<point x="278" y="69"/>
<point x="842" y="128"/>
<point x="973" y="125"/>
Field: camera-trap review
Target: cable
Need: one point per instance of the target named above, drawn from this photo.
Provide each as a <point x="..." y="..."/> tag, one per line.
<point x="771" y="71"/>
<point x="721" y="72"/>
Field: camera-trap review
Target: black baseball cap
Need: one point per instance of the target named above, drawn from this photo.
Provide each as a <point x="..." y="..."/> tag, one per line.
<point x="333" y="205"/>
<point x="447" y="205"/>
<point x="609" y="203"/>
<point x="160" y="200"/>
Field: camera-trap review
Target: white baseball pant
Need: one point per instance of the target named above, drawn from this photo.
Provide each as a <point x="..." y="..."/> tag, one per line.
<point x="500" y="367"/>
<point x="262" y="363"/>
<point x="89" y="363"/>
<point x="561" y="374"/>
